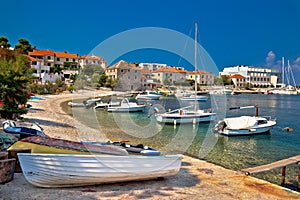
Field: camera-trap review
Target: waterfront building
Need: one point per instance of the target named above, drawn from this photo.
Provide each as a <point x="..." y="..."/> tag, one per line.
<point x="147" y="80"/>
<point x="66" y="60"/>
<point x="255" y="76"/>
<point x="238" y="80"/>
<point x="203" y="77"/>
<point x="127" y="75"/>
<point x="169" y="75"/>
<point x="91" y="60"/>
<point x="46" y="56"/>
<point x="152" y="66"/>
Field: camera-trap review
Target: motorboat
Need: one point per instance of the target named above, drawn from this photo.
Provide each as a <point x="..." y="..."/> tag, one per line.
<point x="245" y="125"/>
<point x="22" y="131"/>
<point x="127" y="106"/>
<point x="194" y="97"/>
<point x="71" y="170"/>
<point x="149" y="95"/>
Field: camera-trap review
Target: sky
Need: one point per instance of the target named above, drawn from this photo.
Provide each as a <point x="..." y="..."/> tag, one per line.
<point x="233" y="32"/>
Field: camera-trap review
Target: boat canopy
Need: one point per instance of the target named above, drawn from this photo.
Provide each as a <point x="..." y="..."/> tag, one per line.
<point x="243" y="122"/>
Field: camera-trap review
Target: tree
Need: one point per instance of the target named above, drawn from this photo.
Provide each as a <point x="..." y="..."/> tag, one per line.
<point x="24" y="46"/>
<point x="102" y="80"/>
<point x="15" y="76"/>
<point x="55" y="69"/>
<point x="4" y="42"/>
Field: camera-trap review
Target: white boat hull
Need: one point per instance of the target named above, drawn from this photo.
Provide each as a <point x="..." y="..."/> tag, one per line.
<point x="148" y="96"/>
<point x="69" y="170"/>
<point x="251" y="131"/>
<point x="185" y="119"/>
<point x="126" y="109"/>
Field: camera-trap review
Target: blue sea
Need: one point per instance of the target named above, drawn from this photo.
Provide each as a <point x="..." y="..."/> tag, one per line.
<point x="200" y="141"/>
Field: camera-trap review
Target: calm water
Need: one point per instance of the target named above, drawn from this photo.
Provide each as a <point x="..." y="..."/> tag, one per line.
<point x="231" y="152"/>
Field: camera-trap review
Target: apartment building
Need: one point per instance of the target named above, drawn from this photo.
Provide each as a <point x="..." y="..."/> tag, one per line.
<point x="169" y="75"/>
<point x="91" y="60"/>
<point x="152" y="66"/>
<point x="238" y="80"/>
<point x="128" y="76"/>
<point x="203" y="77"/>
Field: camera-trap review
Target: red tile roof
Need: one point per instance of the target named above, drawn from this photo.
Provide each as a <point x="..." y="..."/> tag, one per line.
<point x="199" y="72"/>
<point x="170" y="69"/>
<point x="236" y="76"/>
<point x="145" y="71"/>
<point x="66" y="55"/>
<point x="41" y="53"/>
<point x="32" y="59"/>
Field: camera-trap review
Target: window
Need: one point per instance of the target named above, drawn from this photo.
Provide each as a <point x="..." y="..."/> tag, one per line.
<point x="73" y="59"/>
<point x="49" y="57"/>
<point x="67" y="59"/>
<point x="128" y="77"/>
<point x="57" y="59"/>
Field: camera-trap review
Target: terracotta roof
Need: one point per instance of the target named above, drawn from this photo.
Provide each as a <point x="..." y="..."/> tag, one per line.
<point x="236" y="76"/>
<point x="145" y="71"/>
<point x="143" y="77"/>
<point x="199" y="72"/>
<point x="65" y="55"/>
<point x="91" y="57"/>
<point x="32" y="59"/>
<point x="41" y="53"/>
<point x="122" y="65"/>
<point x="170" y="69"/>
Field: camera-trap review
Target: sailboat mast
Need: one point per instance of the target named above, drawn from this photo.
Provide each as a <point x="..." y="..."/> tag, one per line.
<point x="282" y="71"/>
<point x="195" y="64"/>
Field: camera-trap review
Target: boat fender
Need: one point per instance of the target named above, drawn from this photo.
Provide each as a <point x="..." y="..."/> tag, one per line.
<point x="288" y="129"/>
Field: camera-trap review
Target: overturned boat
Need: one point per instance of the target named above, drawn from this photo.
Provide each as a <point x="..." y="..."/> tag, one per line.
<point x="22" y="131"/>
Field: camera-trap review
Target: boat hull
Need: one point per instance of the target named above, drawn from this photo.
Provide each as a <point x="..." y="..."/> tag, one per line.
<point x="253" y="131"/>
<point x="169" y="119"/>
<point x="69" y="170"/>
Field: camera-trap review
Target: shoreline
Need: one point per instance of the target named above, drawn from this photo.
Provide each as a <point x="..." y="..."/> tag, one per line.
<point x="197" y="179"/>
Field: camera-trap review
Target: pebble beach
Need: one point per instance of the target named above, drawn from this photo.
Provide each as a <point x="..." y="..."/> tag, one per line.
<point x="197" y="179"/>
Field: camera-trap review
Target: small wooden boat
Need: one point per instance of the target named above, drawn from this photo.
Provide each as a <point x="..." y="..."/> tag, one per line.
<point x="69" y="170"/>
<point x="53" y="145"/>
<point x="22" y="132"/>
<point x="193" y="98"/>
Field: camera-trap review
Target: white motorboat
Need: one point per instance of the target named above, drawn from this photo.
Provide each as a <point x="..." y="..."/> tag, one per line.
<point x="102" y="105"/>
<point x="224" y="91"/>
<point x="69" y="170"/>
<point x="127" y="106"/>
<point x="245" y="125"/>
<point x="151" y="95"/>
<point x="194" y="98"/>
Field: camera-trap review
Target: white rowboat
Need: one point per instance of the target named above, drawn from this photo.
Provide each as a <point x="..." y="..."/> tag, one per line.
<point x="69" y="170"/>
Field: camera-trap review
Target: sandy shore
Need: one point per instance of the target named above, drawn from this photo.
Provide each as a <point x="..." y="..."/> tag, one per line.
<point x="197" y="179"/>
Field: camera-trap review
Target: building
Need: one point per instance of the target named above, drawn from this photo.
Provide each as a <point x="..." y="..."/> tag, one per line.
<point x="169" y="75"/>
<point x="147" y="80"/>
<point x="255" y="76"/>
<point x="238" y="80"/>
<point x="36" y="64"/>
<point x="203" y="77"/>
<point x="128" y="76"/>
<point x="91" y="60"/>
<point x="152" y="66"/>
<point x="66" y="60"/>
<point x="46" y="56"/>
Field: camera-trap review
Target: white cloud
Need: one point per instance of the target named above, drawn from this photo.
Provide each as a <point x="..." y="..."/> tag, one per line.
<point x="270" y="59"/>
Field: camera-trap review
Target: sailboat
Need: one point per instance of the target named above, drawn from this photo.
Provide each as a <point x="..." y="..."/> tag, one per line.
<point x="185" y="114"/>
<point x="289" y="90"/>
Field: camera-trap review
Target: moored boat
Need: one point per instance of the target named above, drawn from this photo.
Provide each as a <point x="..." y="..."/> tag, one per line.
<point x="126" y="106"/>
<point x="245" y="125"/>
<point x="151" y="95"/>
